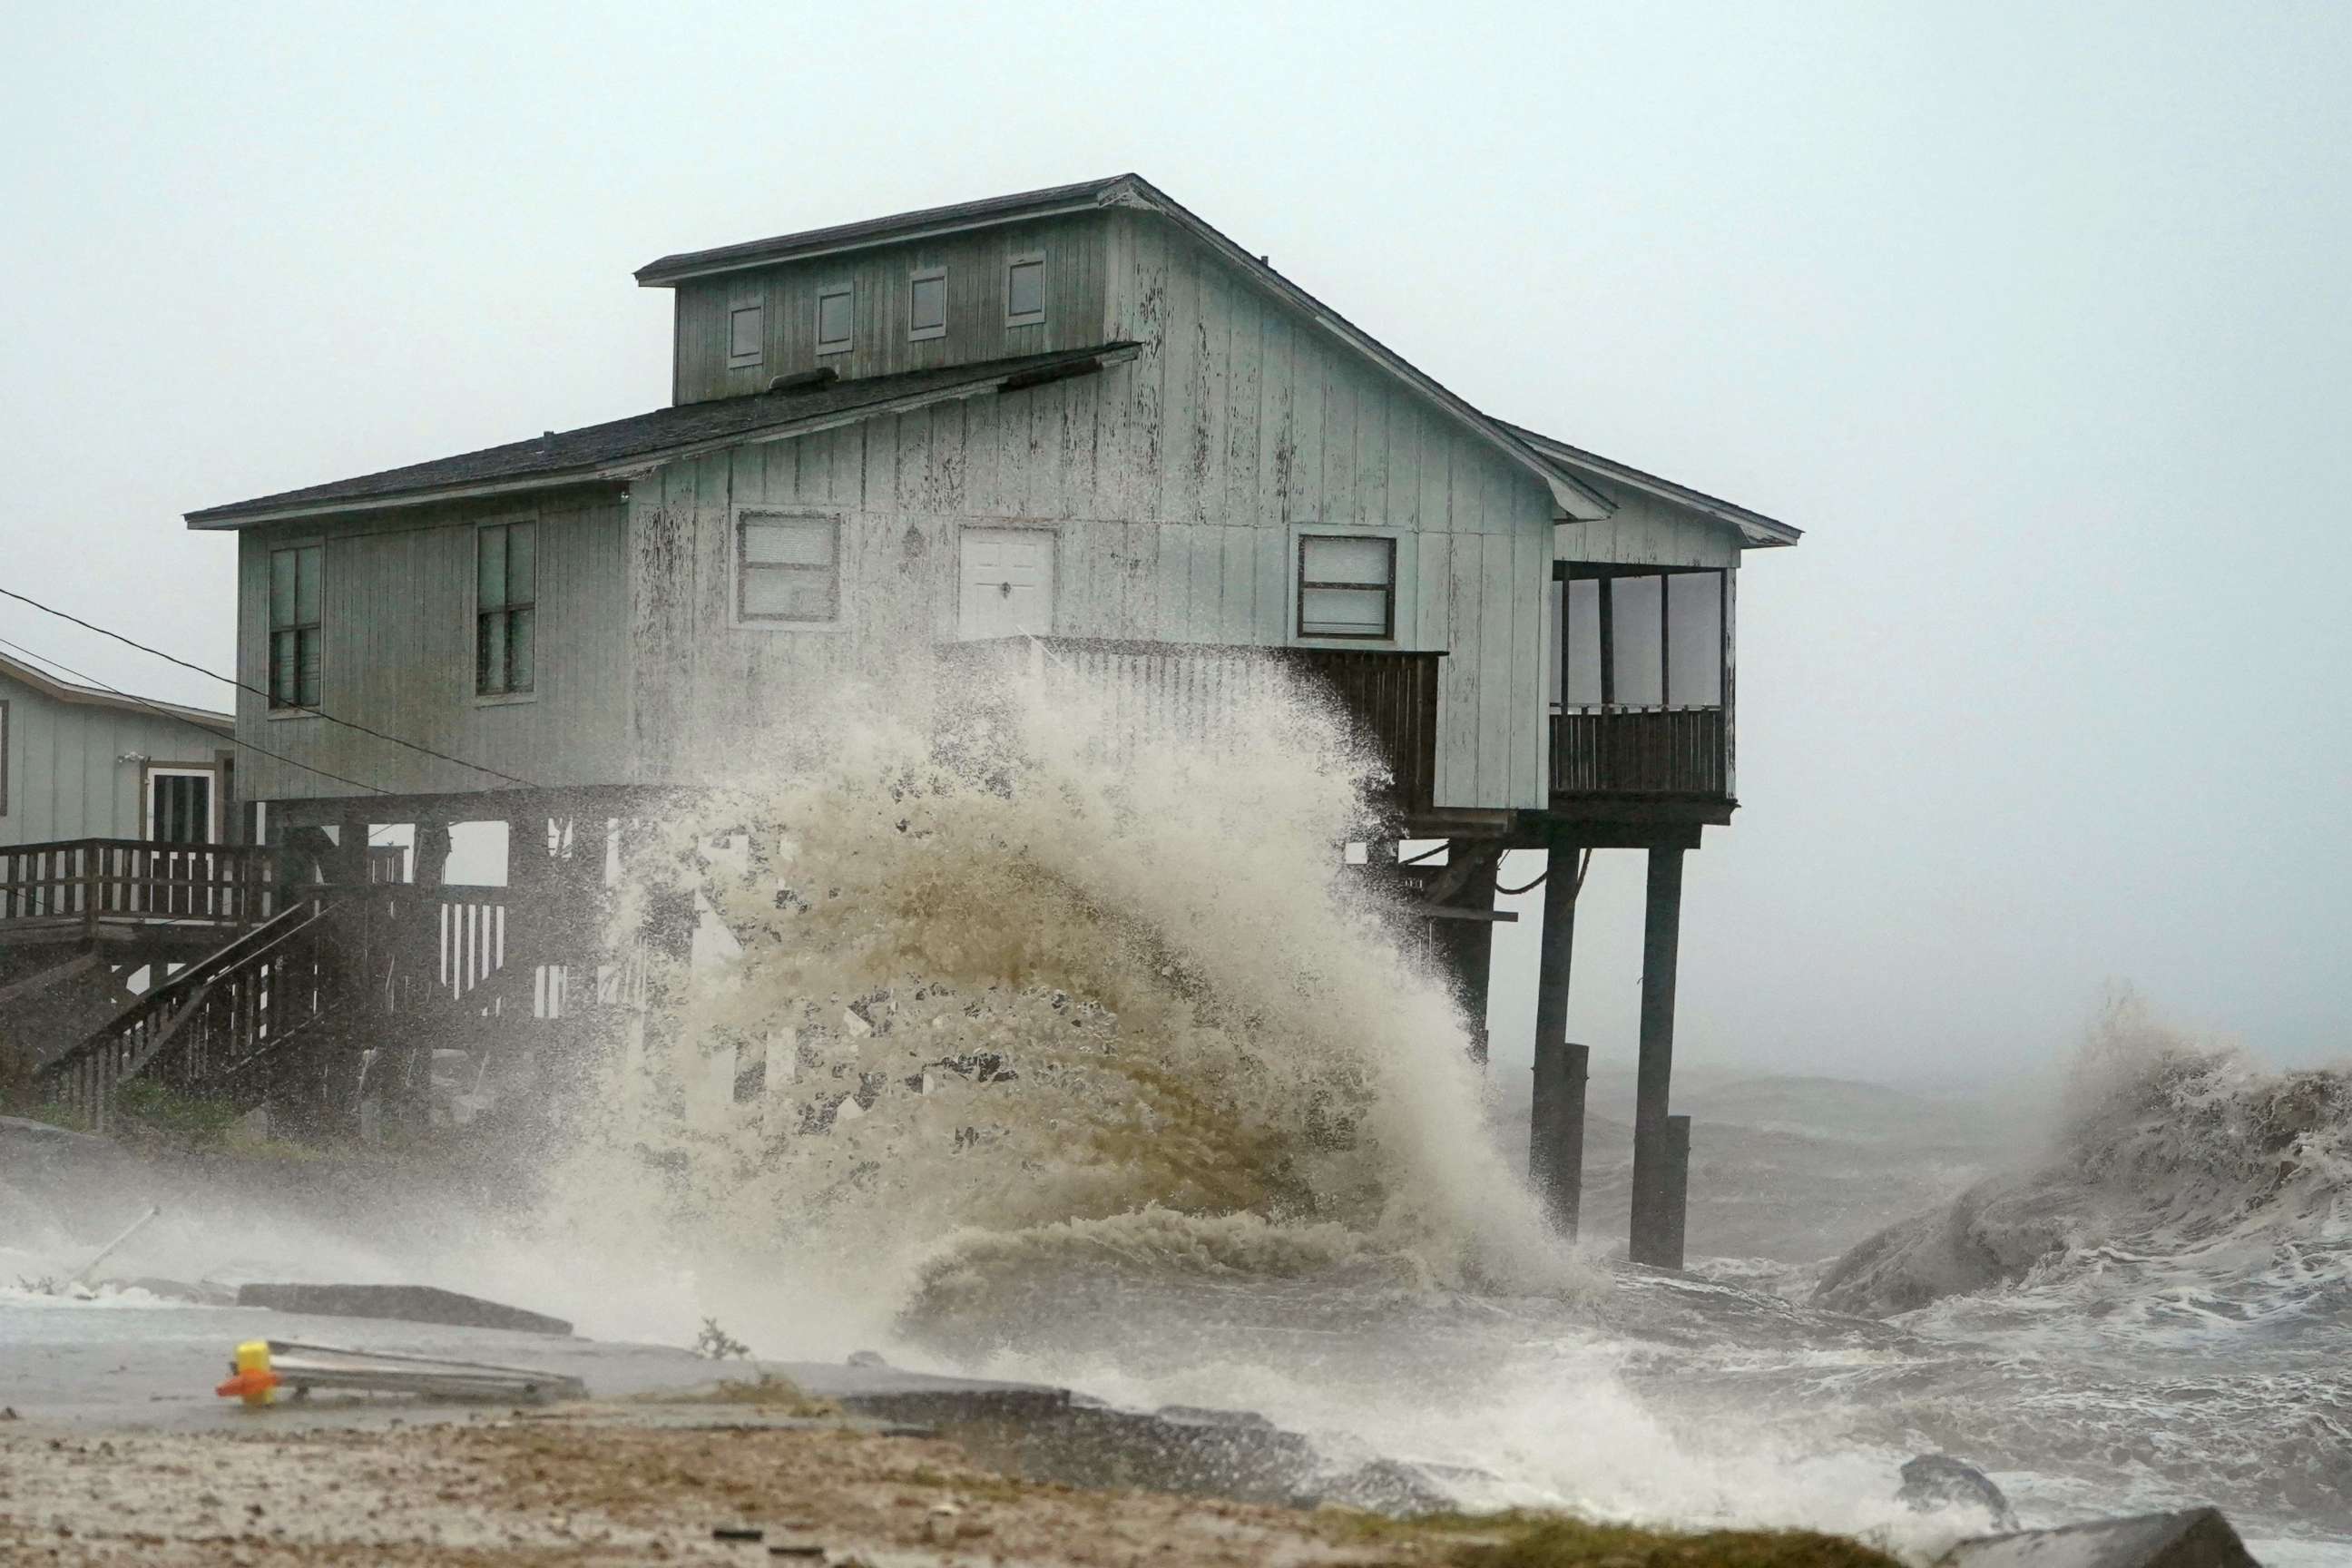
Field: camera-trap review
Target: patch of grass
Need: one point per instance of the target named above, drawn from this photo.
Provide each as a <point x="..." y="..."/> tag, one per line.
<point x="1521" y="1539"/>
<point x="768" y="1392"/>
<point x="148" y="1107"/>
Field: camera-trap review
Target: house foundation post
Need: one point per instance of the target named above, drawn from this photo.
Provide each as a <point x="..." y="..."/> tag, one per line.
<point x="1555" y="1114"/>
<point x="1657" y="1235"/>
<point x="1467" y="946"/>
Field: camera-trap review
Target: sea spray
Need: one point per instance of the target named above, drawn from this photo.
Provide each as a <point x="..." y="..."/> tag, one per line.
<point x="1055" y="976"/>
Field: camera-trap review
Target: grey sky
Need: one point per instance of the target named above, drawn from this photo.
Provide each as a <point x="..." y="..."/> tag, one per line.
<point x="2034" y="316"/>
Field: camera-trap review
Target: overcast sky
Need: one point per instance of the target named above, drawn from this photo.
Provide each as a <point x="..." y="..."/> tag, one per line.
<point x="2034" y="317"/>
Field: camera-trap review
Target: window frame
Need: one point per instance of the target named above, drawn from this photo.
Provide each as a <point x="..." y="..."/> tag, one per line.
<point x="847" y="344"/>
<point x="1300" y="584"/>
<point x="1607" y="575"/>
<point x="509" y="693"/>
<point x="737" y="566"/>
<point x="292" y="707"/>
<point x="1025" y="317"/>
<point x="921" y="334"/>
<point x="750" y="358"/>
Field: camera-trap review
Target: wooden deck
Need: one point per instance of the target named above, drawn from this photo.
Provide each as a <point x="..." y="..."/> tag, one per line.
<point x="91" y="890"/>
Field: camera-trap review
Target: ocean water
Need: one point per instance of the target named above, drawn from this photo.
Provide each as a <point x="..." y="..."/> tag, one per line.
<point x="1064" y="1050"/>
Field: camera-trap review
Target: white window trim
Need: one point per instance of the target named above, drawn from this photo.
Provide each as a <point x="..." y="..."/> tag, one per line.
<point x="840" y="520"/>
<point x="752" y="358"/>
<point x="1032" y="319"/>
<point x="474" y="611"/>
<point x="916" y="335"/>
<point x="149" y="772"/>
<point x="1407" y="586"/>
<point x="845" y="344"/>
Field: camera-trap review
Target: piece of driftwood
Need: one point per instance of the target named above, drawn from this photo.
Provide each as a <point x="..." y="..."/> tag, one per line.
<point x="399" y="1303"/>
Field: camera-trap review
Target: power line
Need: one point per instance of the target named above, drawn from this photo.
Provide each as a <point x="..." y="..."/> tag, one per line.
<point x="258" y="692"/>
<point x="182" y="718"/>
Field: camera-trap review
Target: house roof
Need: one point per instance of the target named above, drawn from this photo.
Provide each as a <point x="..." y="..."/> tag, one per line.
<point x="619" y="447"/>
<point x="987" y="212"/>
<point x="98" y="697"/>
<point x="1573" y="497"/>
<point x="1754" y="527"/>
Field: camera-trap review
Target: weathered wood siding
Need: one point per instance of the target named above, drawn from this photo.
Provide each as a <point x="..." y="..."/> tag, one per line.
<point x="65" y="778"/>
<point x="398" y="600"/>
<point x="1073" y="248"/>
<point x="1647" y="532"/>
<point x="1176" y="486"/>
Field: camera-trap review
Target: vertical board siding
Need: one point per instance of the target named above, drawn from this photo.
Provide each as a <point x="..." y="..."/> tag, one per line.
<point x="399" y="655"/>
<point x="1175" y="483"/>
<point x="1074" y="256"/>
<point x="66" y="776"/>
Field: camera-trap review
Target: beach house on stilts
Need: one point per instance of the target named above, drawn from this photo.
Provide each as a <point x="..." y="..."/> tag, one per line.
<point x="1079" y="414"/>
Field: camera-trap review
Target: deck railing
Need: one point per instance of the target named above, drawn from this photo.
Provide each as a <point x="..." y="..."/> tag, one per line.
<point x="210" y="1028"/>
<point x="88" y="881"/>
<point x="1639" y="751"/>
<point x="1389" y="698"/>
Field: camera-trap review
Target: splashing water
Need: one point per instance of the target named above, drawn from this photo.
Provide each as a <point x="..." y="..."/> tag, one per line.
<point x="1064" y="983"/>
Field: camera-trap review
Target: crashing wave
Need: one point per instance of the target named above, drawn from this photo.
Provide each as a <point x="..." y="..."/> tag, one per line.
<point x="1069" y="986"/>
<point x="2180" y="1172"/>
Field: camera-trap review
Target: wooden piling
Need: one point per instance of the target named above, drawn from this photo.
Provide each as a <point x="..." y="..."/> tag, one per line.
<point x="1656" y="1238"/>
<point x="1673" y="1178"/>
<point x="1556" y="1112"/>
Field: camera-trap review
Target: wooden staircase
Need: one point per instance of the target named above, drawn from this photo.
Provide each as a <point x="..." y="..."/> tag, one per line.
<point x="224" y="1026"/>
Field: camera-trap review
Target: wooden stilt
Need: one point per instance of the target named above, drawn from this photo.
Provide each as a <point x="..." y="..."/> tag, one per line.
<point x="1468" y="946"/>
<point x="1656" y="1236"/>
<point x="1555" y="1114"/>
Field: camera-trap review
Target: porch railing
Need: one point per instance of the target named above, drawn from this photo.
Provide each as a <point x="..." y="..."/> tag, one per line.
<point x="1388" y="696"/>
<point x="90" y="880"/>
<point x="1639" y="751"/>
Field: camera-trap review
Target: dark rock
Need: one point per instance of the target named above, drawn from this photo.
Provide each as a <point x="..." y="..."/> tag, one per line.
<point x="866" y="1358"/>
<point x="738" y="1533"/>
<point x="2195" y="1538"/>
<point x="398" y="1303"/>
<point x="1934" y="1481"/>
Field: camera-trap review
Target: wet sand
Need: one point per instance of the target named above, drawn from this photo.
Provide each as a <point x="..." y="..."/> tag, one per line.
<point x="646" y="1483"/>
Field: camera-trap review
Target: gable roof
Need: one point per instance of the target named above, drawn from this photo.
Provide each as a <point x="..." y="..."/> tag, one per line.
<point x="1754" y="527"/>
<point x="619" y="447"/>
<point x="98" y="697"/>
<point x="1573" y="497"/>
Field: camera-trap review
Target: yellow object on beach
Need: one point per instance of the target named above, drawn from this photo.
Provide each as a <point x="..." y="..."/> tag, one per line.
<point x="253" y="1380"/>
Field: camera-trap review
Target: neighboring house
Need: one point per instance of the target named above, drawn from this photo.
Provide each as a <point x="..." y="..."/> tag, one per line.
<point x="1080" y="414"/>
<point x="78" y="766"/>
<point x="77" y="761"/>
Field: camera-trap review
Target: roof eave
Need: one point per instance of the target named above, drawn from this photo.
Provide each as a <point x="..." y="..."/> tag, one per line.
<point x="684" y="266"/>
<point x="91" y="697"/>
<point x="622" y="470"/>
<point x="1755" y="530"/>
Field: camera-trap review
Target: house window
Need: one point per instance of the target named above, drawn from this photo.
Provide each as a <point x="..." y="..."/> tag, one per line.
<point x="787" y="570"/>
<point x="506" y="582"/>
<point x="745" y="342"/>
<point x="296" y="627"/>
<point x="1347" y="586"/>
<point x="833" y="319"/>
<point x="1025" y="291"/>
<point x="926" y="304"/>
<point x="1640" y="639"/>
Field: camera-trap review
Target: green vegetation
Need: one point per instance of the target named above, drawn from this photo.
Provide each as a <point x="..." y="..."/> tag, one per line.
<point x="147" y="1107"/>
<point x="1520" y="1540"/>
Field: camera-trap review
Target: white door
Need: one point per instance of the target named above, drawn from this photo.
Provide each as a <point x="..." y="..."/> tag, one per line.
<point x="1008" y="582"/>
